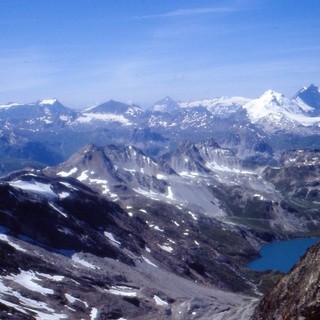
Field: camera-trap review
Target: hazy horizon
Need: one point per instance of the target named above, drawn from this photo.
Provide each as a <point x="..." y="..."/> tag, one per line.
<point x="83" y="52"/>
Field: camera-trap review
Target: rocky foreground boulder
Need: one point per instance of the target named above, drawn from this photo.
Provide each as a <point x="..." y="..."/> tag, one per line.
<point x="297" y="295"/>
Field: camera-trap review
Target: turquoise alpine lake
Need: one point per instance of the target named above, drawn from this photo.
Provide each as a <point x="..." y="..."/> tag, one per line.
<point x="282" y="255"/>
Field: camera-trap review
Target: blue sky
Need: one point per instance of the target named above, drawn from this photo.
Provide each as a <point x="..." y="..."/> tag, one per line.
<point x="88" y="51"/>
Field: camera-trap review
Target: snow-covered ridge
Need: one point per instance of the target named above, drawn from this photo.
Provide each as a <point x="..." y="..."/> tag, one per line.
<point x="218" y="104"/>
<point x="44" y="102"/>
<point x="303" y="110"/>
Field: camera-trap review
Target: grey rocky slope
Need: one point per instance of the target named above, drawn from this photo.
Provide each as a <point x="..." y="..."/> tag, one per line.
<point x="67" y="252"/>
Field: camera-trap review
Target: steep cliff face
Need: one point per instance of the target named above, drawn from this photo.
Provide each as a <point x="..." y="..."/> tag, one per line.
<point x="297" y="295"/>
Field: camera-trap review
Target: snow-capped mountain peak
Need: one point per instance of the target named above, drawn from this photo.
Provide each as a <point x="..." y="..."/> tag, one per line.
<point x="114" y="107"/>
<point x="272" y="97"/>
<point x="272" y="103"/>
<point x="167" y="104"/>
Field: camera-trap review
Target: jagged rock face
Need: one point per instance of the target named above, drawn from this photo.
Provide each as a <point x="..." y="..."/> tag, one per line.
<point x="110" y="167"/>
<point x="296" y="295"/>
<point x="201" y="157"/>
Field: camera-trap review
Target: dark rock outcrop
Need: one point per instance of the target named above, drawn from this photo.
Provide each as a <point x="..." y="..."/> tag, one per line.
<point x="296" y="295"/>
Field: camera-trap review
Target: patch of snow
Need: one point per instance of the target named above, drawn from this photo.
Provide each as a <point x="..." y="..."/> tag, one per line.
<point x="159" y="301"/>
<point x="68" y="185"/>
<point x="83" y="176"/>
<point x="67" y="174"/>
<point x="258" y="196"/>
<point x="166" y="248"/>
<point x="76" y="259"/>
<point x="26" y="279"/>
<point x="12" y="305"/>
<point x="142" y="210"/>
<point x="57" y="209"/>
<point x="51" y="277"/>
<point x="48" y="102"/>
<point x="9" y="105"/>
<point x="161" y="176"/>
<point x="193" y="215"/>
<point x="106" y="117"/>
<point x="63" y="194"/>
<point x="149" y="194"/>
<point x="93" y="313"/>
<point x="70" y="298"/>
<point x="63" y="118"/>
<point x="98" y="181"/>
<point x="149" y="262"/>
<point x="170" y="193"/>
<point x="158" y="229"/>
<point x="123" y="291"/>
<point x="110" y="236"/>
<point x="33" y="186"/>
<point x="5" y="238"/>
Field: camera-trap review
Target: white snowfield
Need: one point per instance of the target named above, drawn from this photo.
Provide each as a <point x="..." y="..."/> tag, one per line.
<point x="217" y="105"/>
<point x="106" y="117"/>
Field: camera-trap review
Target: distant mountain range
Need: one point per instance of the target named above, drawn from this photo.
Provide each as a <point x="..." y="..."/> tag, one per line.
<point x="118" y="212"/>
<point x="237" y="123"/>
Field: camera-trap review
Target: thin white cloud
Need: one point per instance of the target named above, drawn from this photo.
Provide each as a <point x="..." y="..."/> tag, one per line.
<point x="190" y="12"/>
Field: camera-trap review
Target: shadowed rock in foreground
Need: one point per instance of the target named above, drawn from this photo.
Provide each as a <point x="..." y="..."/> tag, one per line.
<point x="296" y="295"/>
